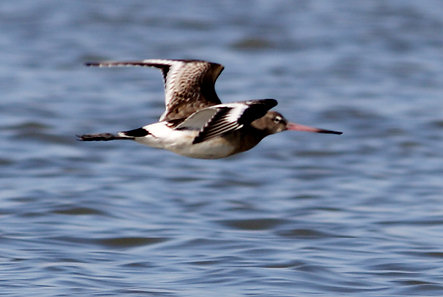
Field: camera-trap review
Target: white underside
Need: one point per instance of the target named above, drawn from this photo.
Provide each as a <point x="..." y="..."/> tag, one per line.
<point x="180" y="142"/>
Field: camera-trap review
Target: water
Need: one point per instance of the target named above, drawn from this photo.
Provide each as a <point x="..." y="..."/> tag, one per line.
<point x="299" y="215"/>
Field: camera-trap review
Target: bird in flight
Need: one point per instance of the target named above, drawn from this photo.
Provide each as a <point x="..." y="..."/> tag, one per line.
<point x="195" y="123"/>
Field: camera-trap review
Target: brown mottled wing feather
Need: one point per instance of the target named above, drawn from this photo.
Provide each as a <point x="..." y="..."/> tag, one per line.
<point x="189" y="84"/>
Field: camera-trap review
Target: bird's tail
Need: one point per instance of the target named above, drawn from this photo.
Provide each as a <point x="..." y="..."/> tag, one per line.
<point x="103" y="137"/>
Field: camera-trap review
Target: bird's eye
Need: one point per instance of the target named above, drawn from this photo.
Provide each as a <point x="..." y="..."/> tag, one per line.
<point x="278" y="119"/>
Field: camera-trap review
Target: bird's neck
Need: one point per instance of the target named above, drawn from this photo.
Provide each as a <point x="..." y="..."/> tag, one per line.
<point x="260" y="129"/>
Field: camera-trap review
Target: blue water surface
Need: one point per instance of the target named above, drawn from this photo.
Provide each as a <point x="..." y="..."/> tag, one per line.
<point x="300" y="215"/>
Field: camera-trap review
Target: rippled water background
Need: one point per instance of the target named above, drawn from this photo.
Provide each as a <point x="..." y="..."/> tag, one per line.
<point x="300" y="215"/>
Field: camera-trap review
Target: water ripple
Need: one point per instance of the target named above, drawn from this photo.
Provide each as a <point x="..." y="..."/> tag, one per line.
<point x="301" y="214"/>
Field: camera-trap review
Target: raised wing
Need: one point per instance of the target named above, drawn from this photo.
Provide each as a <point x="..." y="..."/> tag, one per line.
<point x="219" y="119"/>
<point x="189" y="84"/>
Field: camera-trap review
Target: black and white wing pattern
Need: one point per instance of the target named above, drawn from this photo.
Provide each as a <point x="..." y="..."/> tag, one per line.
<point x="219" y="119"/>
<point x="189" y="84"/>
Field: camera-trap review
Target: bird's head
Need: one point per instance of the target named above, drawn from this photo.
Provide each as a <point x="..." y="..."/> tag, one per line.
<point x="273" y="122"/>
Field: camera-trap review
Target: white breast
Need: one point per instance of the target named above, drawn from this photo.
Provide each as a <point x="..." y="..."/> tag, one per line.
<point x="180" y="142"/>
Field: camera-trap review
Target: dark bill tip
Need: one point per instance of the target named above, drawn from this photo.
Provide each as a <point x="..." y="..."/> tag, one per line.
<point x="329" y="132"/>
<point x="92" y="64"/>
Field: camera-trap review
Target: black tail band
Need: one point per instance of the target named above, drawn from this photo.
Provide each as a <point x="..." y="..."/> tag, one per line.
<point x="101" y="137"/>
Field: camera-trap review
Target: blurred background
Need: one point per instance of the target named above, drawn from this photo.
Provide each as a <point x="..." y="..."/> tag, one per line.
<point x="299" y="215"/>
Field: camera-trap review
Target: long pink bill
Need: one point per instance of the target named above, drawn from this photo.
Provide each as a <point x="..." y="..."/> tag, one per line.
<point x="298" y="127"/>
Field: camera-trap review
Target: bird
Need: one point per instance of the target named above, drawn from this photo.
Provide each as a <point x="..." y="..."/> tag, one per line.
<point x="195" y="122"/>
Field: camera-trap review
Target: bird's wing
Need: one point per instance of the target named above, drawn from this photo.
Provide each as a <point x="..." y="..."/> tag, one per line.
<point x="219" y="119"/>
<point x="189" y="84"/>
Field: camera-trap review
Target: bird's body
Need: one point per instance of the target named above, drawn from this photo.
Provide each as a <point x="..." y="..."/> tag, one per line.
<point x="181" y="142"/>
<point x="195" y="122"/>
